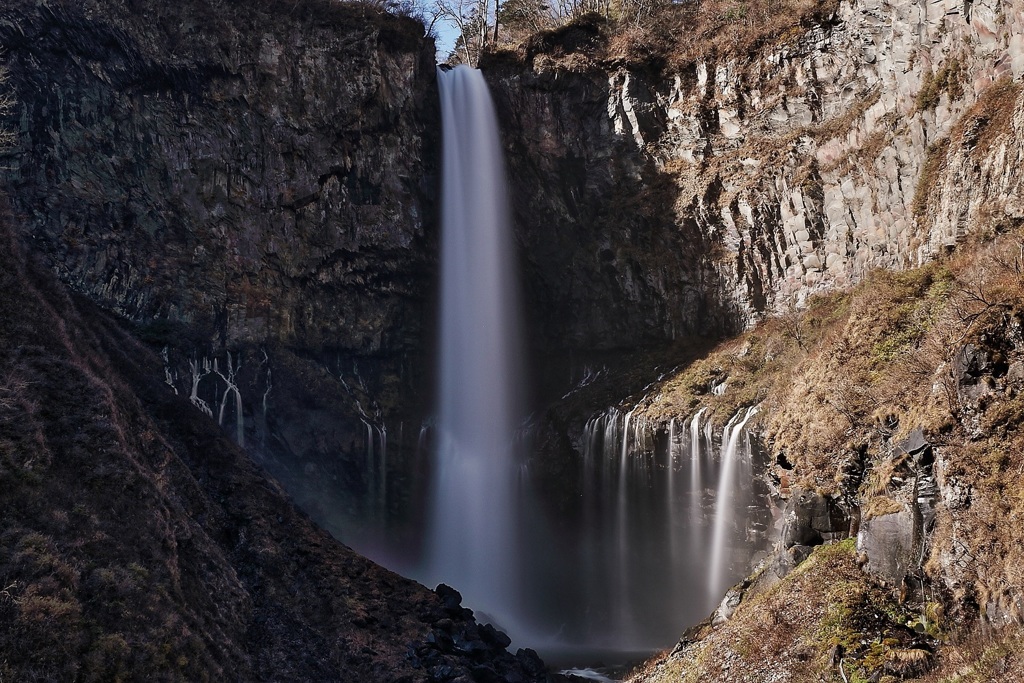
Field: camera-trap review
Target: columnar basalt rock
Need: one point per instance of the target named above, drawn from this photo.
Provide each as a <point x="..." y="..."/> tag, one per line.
<point x="762" y="178"/>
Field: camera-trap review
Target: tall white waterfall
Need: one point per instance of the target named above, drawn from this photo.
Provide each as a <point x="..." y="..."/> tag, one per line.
<point x="728" y="482"/>
<point x="473" y="528"/>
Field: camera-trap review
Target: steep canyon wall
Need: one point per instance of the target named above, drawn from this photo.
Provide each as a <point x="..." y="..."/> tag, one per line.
<point x="259" y="178"/>
<point x="252" y="185"/>
<point x="705" y="192"/>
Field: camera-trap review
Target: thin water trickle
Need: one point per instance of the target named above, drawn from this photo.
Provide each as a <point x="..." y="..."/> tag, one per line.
<point x="697" y="542"/>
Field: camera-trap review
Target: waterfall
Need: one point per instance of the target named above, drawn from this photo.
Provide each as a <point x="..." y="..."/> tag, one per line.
<point x="718" y="575"/>
<point x="696" y="484"/>
<point x="473" y="525"/>
<point x="618" y="571"/>
<point x="673" y="497"/>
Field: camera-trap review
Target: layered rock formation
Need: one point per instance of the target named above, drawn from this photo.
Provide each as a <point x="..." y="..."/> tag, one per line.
<point x="706" y="189"/>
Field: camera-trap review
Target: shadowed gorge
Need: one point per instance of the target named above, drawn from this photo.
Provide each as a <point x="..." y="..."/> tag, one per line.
<point x="762" y="421"/>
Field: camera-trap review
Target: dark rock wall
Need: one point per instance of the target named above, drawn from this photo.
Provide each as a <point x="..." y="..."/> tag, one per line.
<point x="259" y="171"/>
<point x="253" y="178"/>
<point x="608" y="261"/>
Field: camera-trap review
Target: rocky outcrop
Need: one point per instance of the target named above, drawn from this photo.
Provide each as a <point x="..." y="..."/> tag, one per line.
<point x="765" y="177"/>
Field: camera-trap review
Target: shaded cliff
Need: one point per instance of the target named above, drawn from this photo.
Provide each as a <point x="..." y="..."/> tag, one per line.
<point x="258" y="171"/>
<point x="252" y="185"/>
<point x="249" y="187"/>
<point x="139" y="542"/>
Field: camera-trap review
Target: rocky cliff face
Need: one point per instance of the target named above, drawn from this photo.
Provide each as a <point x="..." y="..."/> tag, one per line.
<point x="140" y="543"/>
<point x="712" y="191"/>
<point x="259" y="172"/>
<point x="709" y="191"/>
<point x="252" y="185"/>
<point x="609" y="263"/>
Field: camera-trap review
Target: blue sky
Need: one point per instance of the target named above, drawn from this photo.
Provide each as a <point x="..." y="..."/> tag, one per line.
<point x="446" y="34"/>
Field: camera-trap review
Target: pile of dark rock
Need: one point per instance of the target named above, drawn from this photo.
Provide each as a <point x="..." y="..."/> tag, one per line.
<point x="459" y="650"/>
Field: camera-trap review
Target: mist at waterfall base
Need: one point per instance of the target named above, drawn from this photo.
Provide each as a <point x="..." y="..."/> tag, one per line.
<point x="664" y="517"/>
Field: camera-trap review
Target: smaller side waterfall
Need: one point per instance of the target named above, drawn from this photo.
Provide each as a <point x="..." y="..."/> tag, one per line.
<point x="725" y="502"/>
<point x="647" y="490"/>
<point x="697" y="542"/>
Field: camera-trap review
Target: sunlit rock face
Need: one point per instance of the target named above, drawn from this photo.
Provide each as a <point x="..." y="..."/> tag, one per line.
<point x="699" y="197"/>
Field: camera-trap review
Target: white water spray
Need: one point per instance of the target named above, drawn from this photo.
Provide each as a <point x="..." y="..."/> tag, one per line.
<point x="473" y="527"/>
<point x="696" y="484"/>
<point x="724" y="503"/>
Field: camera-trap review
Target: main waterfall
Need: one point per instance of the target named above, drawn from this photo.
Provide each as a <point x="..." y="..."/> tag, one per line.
<point x="472" y="528"/>
<point x="613" y="565"/>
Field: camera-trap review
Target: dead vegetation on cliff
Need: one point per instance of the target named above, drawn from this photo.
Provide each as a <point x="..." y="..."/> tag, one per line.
<point x="824" y="622"/>
<point x="673" y="35"/>
<point x="844" y="381"/>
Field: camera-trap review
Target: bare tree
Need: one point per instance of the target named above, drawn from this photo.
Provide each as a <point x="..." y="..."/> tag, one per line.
<point x="471" y="18"/>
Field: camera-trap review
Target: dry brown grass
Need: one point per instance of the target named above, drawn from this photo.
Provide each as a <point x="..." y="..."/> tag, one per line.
<point x="931" y="172"/>
<point x="949" y="80"/>
<point x="981" y="657"/>
<point x="825" y="613"/>
<point x="981" y="127"/>
<point x="676" y="35"/>
<point x="856" y="372"/>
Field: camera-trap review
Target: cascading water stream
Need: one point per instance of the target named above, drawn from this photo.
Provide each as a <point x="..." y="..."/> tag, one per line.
<point x="473" y="527"/>
<point x="724" y="502"/>
<point x="696" y="484"/>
